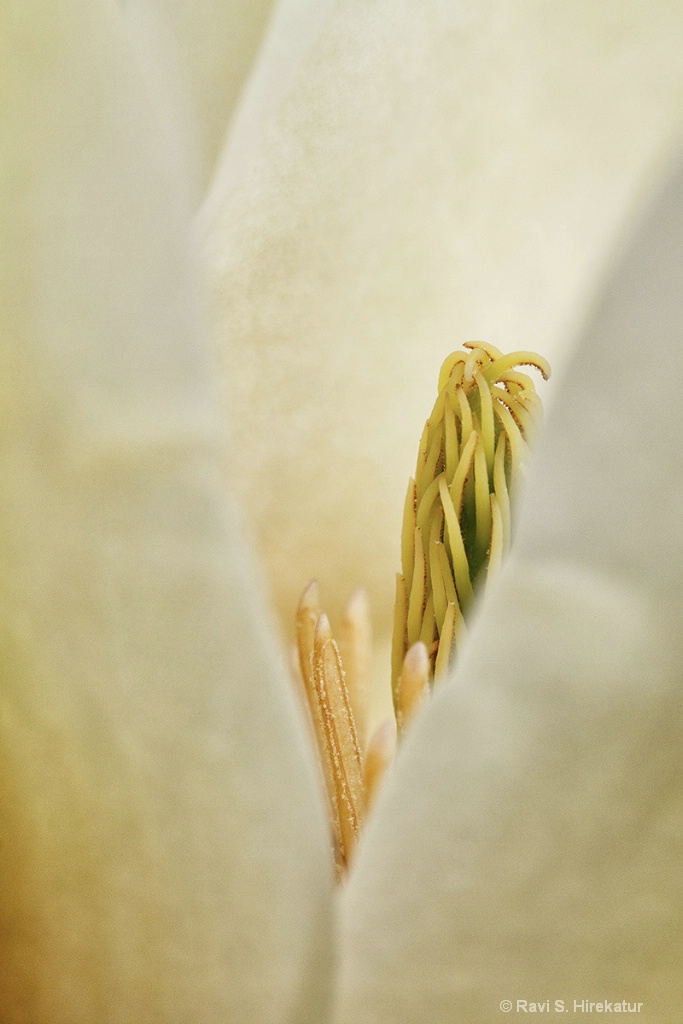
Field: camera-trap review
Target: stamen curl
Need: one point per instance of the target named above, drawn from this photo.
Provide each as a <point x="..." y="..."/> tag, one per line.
<point x="457" y="522"/>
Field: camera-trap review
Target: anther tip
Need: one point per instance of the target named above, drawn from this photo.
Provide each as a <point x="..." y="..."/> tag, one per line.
<point x="310" y="597"/>
<point x="359" y="604"/>
<point x="323" y="630"/>
<point x="416" y="661"/>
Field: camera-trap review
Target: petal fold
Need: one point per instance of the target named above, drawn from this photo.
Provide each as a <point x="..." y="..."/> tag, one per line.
<point x="207" y="49"/>
<point x="163" y="847"/>
<point x="528" y="844"/>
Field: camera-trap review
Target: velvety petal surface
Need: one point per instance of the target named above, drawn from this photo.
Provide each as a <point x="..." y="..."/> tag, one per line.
<point x="528" y="845"/>
<point x="163" y="854"/>
<point x="207" y="48"/>
<point x="434" y="172"/>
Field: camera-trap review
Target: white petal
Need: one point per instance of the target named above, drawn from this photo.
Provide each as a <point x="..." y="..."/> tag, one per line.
<point x="529" y="843"/>
<point x="162" y="847"/>
<point x="433" y="172"/>
<point x="292" y="31"/>
<point x="210" y="45"/>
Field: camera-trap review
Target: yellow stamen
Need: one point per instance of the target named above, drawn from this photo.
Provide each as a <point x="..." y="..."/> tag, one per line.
<point x="428" y="629"/>
<point x="517" y="444"/>
<point x="456" y="529"/>
<point x="451" y="441"/>
<point x="482" y="505"/>
<point x="501" y="488"/>
<point x="457" y="523"/>
<point x="491" y="351"/>
<point x="399" y="641"/>
<point x="355" y="648"/>
<point x="462" y="472"/>
<point x="496" y="369"/>
<point x="307" y="617"/>
<point x="409" y="524"/>
<point x="422" y="451"/>
<point x="488" y="434"/>
<point x="417" y="591"/>
<point x="340" y="739"/>
<point x="446" y="574"/>
<point x="456" y="545"/>
<point x="452" y="619"/>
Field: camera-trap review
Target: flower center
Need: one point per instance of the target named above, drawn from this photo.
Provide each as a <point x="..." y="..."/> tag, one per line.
<point x="456" y="529"/>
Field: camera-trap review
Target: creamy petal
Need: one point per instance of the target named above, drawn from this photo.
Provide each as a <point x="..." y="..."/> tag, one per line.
<point x="211" y="46"/>
<point x="292" y="31"/>
<point x="434" y="172"/>
<point x="163" y="851"/>
<point x="529" y="843"/>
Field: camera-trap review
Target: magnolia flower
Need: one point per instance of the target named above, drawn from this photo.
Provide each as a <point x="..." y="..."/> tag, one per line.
<point x="163" y="842"/>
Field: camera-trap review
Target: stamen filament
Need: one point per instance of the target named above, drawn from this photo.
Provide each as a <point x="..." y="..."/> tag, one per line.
<point x="409" y="524"/>
<point x="456" y="544"/>
<point x="451" y="441"/>
<point x="501" y="488"/>
<point x="399" y="640"/>
<point x="355" y="648"/>
<point x="340" y="739"/>
<point x="417" y="592"/>
<point x="488" y="435"/>
<point x="452" y="619"/>
<point x="499" y="366"/>
<point x="482" y="505"/>
<point x="307" y="617"/>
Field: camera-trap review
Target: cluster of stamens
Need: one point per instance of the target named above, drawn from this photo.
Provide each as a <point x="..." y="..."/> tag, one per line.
<point x="456" y="522"/>
<point x="456" y="528"/>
